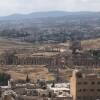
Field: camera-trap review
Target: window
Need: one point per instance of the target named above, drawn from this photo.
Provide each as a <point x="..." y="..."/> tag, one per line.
<point x="85" y="83"/>
<point x="84" y="90"/>
<point x="98" y="90"/>
<point x="98" y="83"/>
<point x="98" y="97"/>
<point x="92" y="90"/>
<point x="93" y="83"/>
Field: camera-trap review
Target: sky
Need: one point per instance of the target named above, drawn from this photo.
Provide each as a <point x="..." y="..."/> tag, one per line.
<point x="8" y="7"/>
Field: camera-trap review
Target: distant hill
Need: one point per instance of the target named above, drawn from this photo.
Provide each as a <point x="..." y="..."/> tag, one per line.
<point x="50" y="14"/>
<point x="35" y="15"/>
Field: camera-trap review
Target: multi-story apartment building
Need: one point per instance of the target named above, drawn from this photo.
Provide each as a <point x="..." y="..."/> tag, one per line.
<point x="85" y="86"/>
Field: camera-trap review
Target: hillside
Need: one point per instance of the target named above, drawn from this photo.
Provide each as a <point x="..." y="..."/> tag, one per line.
<point x="56" y="26"/>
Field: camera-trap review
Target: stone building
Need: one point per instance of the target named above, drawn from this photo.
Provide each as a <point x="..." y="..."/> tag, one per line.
<point x="35" y="59"/>
<point x="30" y="91"/>
<point x="44" y="58"/>
<point x="85" y="86"/>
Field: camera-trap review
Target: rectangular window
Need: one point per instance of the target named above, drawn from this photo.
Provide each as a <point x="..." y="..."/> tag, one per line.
<point x="84" y="90"/>
<point x="98" y="82"/>
<point x="93" y="83"/>
<point x="98" y="90"/>
<point x="98" y="97"/>
<point x="91" y="90"/>
<point x="85" y="83"/>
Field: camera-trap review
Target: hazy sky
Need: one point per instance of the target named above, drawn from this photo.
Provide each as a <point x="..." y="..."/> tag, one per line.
<point x="26" y="6"/>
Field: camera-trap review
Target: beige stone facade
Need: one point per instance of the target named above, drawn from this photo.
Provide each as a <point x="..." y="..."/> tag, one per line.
<point x="85" y="86"/>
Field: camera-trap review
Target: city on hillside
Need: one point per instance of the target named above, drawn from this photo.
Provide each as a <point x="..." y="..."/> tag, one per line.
<point x="50" y="50"/>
